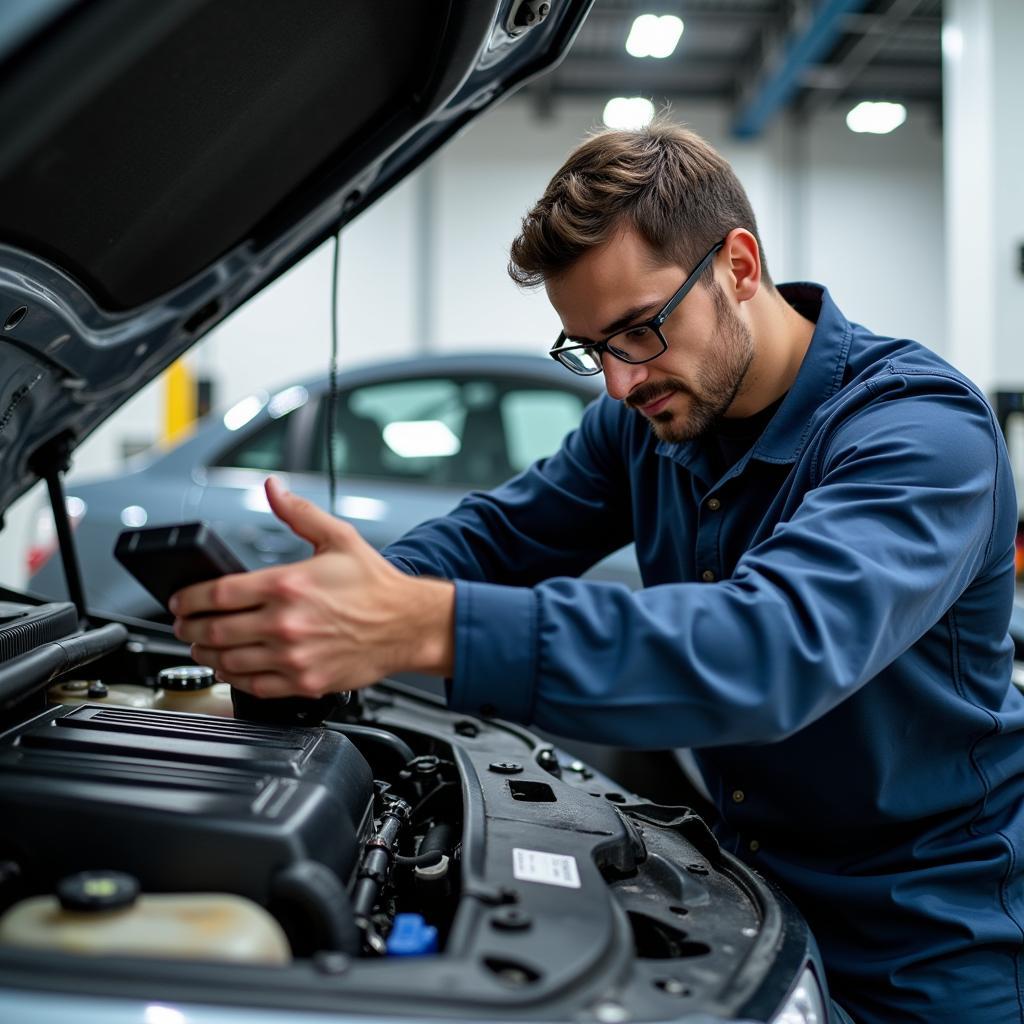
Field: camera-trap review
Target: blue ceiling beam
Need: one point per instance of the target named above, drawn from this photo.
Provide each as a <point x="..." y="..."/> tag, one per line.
<point x="804" y="48"/>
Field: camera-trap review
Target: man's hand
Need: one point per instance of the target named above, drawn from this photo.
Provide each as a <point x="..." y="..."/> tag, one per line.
<point x="337" y="621"/>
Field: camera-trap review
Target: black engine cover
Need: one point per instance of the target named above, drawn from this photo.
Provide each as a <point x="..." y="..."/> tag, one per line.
<point x="183" y="802"/>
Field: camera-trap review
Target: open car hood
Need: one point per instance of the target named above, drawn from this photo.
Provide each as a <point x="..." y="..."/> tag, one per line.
<point x="162" y="162"/>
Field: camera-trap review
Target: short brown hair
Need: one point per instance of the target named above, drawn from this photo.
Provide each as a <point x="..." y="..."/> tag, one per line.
<point x="664" y="181"/>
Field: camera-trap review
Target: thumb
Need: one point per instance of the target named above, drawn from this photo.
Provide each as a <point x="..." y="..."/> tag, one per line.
<point x="302" y="517"/>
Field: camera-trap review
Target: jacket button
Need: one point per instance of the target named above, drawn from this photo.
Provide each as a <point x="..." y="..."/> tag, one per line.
<point x="738" y="796"/>
<point x="754" y="846"/>
<point x="714" y="504"/>
<point x="707" y="576"/>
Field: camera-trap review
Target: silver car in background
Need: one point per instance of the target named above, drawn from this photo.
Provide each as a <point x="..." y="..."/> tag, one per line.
<point x="410" y="438"/>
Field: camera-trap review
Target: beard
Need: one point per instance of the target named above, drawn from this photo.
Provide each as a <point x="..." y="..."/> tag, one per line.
<point x="716" y="385"/>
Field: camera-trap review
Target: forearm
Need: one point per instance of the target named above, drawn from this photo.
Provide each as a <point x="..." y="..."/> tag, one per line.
<point x="425" y="639"/>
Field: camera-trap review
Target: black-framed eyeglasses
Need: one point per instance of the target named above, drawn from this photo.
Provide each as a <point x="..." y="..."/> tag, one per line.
<point x="639" y="343"/>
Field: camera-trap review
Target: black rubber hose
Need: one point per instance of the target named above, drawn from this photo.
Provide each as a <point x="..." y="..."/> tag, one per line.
<point x="437" y="840"/>
<point x="22" y="676"/>
<point x="420" y="860"/>
<point x="378" y="858"/>
<point x="436" y="844"/>
<point x="377" y="746"/>
<point x="314" y="909"/>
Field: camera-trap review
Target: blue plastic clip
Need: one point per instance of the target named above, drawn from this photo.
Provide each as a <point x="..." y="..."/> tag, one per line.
<point x="411" y="936"/>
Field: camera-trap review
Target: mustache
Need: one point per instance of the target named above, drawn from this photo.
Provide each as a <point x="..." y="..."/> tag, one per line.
<point x="647" y="393"/>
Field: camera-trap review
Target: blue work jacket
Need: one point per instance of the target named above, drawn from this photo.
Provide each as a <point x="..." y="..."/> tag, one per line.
<point x="825" y="623"/>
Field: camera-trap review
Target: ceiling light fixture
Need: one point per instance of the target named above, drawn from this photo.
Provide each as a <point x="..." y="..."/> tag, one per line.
<point x="876" y="118"/>
<point x="952" y="41"/>
<point x="628" y="112"/>
<point x="652" y="36"/>
<point x="241" y="412"/>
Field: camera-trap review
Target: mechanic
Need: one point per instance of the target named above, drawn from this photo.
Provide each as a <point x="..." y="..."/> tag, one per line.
<point x="824" y="521"/>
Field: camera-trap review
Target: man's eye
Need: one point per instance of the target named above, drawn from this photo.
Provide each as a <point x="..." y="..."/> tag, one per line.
<point x="637" y="333"/>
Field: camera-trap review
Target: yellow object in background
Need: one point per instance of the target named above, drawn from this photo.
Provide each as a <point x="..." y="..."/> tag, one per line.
<point x="180" y="402"/>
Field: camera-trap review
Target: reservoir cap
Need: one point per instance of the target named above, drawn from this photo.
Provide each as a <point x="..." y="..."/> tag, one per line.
<point x="186" y="677"/>
<point x="97" y="890"/>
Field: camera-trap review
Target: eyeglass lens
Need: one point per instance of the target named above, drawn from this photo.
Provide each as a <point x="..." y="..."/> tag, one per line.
<point x="582" y="360"/>
<point x="634" y="345"/>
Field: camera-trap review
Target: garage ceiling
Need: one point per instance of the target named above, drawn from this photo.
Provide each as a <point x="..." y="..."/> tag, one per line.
<point x="761" y="56"/>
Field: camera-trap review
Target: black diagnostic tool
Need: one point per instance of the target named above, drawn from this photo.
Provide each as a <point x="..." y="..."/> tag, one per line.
<point x="166" y="558"/>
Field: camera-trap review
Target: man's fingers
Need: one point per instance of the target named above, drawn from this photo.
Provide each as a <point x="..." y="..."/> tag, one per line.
<point x="302" y="669"/>
<point x="234" y="593"/>
<point x="261" y="684"/>
<point x="302" y="517"/>
<point x="235" y="661"/>
<point x="220" y="630"/>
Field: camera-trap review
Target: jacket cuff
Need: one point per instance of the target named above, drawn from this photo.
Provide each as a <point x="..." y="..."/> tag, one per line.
<point x="495" y="651"/>
<point x="402" y="564"/>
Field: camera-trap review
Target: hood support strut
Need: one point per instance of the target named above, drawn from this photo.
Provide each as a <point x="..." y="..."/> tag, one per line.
<point x="50" y="462"/>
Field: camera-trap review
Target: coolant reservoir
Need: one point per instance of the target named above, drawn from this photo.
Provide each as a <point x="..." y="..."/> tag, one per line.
<point x="92" y="691"/>
<point x="193" y="688"/>
<point x="102" y="913"/>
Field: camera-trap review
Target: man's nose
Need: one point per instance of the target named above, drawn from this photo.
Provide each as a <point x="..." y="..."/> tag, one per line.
<point x="620" y="378"/>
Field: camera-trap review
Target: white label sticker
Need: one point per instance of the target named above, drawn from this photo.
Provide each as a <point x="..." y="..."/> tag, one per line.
<point x="546" y="868"/>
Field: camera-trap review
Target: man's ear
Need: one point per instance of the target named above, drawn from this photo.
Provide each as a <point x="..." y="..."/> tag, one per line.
<point x="743" y="260"/>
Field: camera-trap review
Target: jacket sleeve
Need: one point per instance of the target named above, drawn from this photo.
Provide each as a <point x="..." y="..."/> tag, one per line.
<point x="558" y="517"/>
<point x="899" y="522"/>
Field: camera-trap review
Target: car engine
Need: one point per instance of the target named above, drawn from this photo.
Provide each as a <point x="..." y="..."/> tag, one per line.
<point x="395" y="857"/>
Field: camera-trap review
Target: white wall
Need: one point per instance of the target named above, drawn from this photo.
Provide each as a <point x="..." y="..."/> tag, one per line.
<point x="862" y="214"/>
<point x="424" y="269"/>
<point x="1008" y="233"/>
<point x="982" y="83"/>
<point x="489" y="178"/>
<point x="874" y="208"/>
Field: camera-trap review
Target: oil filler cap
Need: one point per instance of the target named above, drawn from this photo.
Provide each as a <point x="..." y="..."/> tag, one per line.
<point x="186" y="677"/>
<point x="97" y="890"/>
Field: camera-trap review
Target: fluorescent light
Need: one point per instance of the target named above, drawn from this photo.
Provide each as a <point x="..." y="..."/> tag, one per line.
<point x="416" y="439"/>
<point x="286" y="401"/>
<point x="239" y="414"/>
<point x="134" y="516"/>
<point x="354" y="506"/>
<point x="652" y="36"/>
<point x="952" y="41"/>
<point x="876" y="118"/>
<point x="156" y="1014"/>
<point x="628" y="112"/>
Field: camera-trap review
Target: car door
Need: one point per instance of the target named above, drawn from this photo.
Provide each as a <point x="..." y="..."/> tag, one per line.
<point x="229" y="487"/>
<point x="405" y="449"/>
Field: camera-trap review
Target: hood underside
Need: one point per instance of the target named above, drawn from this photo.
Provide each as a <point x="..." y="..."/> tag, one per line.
<point x="163" y="162"/>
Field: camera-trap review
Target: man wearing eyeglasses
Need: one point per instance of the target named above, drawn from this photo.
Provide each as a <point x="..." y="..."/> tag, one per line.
<point x="824" y="521"/>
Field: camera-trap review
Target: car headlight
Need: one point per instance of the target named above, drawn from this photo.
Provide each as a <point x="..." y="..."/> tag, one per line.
<point x="805" y="1004"/>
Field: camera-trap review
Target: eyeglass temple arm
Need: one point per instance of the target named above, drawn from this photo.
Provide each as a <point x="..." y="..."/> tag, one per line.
<point x="689" y="283"/>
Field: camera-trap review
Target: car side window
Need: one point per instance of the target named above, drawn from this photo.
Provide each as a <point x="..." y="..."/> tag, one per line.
<point x="535" y="422"/>
<point x="444" y="431"/>
<point x="264" y="449"/>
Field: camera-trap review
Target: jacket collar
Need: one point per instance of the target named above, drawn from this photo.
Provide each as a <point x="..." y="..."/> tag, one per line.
<point x="820" y="376"/>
